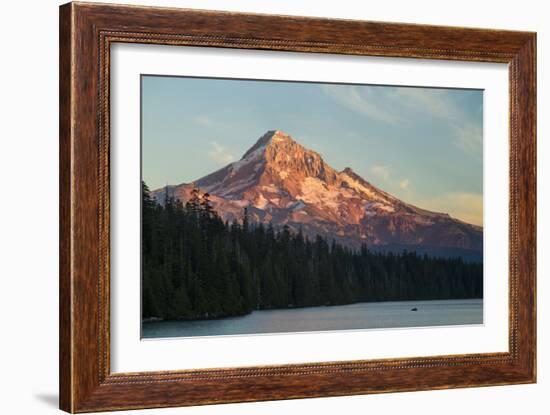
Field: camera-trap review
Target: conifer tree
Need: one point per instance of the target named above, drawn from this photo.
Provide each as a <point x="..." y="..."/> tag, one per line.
<point x="193" y="204"/>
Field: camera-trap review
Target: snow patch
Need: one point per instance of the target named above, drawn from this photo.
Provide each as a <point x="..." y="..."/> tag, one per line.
<point x="298" y="206"/>
<point x="236" y="166"/>
<point x="384" y="207"/>
<point x="423" y="220"/>
<point x="270" y="188"/>
<point x="261" y="202"/>
<point x="277" y="137"/>
<point x="238" y="185"/>
<point x="316" y="193"/>
<point x="358" y="187"/>
<point x="212" y="188"/>
<point x="241" y="203"/>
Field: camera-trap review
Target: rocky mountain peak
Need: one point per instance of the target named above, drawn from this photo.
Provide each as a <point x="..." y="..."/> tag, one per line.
<point x="279" y="136"/>
<point x="288" y="159"/>
<point x="283" y="183"/>
<point x="270" y="138"/>
<point x="283" y="158"/>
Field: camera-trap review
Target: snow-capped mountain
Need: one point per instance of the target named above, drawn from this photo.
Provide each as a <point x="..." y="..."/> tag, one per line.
<point x="280" y="181"/>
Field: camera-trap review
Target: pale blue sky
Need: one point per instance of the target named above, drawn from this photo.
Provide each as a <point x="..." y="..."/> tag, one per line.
<point x="423" y="145"/>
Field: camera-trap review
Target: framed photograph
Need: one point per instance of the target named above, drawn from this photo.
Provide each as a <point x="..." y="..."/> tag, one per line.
<point x="258" y="207"/>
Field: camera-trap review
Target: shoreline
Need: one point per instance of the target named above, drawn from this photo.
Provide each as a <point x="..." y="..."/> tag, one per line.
<point x="152" y="320"/>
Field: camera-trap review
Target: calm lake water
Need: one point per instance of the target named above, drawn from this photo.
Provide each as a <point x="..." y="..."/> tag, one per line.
<point x="345" y="317"/>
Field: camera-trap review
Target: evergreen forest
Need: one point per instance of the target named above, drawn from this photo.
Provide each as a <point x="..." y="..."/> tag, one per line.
<point x="196" y="266"/>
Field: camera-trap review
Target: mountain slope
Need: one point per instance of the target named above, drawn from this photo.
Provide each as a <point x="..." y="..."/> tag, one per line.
<point x="282" y="182"/>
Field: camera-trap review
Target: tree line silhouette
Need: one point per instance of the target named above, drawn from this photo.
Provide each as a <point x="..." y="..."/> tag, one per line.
<point x="196" y="266"/>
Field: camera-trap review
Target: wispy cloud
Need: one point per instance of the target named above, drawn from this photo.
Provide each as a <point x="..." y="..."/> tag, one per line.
<point x="382" y="172"/>
<point x="467" y="207"/>
<point x="469" y="138"/>
<point x="438" y="103"/>
<point x="467" y="134"/>
<point x="434" y="102"/>
<point x="219" y="153"/>
<point x="402" y="104"/>
<point x="203" y="120"/>
<point x="361" y="100"/>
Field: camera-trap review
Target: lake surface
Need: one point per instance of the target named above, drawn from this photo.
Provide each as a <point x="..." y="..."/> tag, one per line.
<point x="344" y="317"/>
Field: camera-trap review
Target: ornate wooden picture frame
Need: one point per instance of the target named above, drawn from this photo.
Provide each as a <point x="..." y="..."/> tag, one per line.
<point x="87" y="32"/>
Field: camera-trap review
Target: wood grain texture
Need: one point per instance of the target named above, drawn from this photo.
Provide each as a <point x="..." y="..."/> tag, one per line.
<point x="86" y="33"/>
<point x="65" y="247"/>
